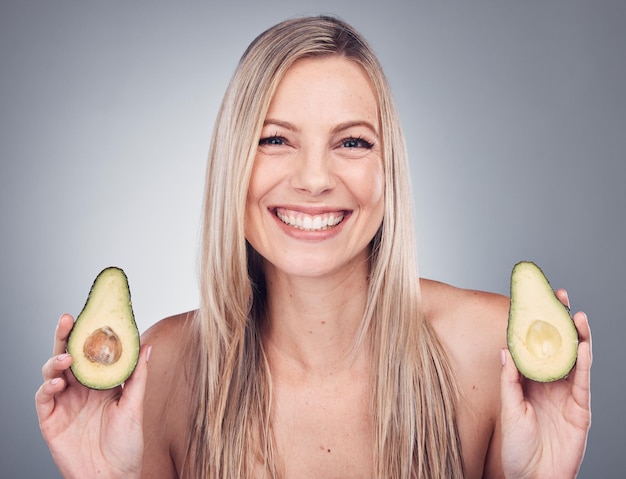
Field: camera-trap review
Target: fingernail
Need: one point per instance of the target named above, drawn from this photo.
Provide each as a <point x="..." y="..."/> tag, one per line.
<point x="61" y="357"/>
<point x="502" y="357"/>
<point x="55" y="380"/>
<point x="148" y="353"/>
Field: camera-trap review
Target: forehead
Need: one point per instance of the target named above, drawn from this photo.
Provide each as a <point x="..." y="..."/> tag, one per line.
<point x="330" y="81"/>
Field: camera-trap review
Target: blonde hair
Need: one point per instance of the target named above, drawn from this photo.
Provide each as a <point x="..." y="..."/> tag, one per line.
<point x="414" y="399"/>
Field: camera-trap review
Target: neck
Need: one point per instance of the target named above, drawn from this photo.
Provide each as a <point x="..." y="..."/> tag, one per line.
<point x="312" y="322"/>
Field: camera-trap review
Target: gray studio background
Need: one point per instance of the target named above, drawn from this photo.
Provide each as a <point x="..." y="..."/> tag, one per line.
<point x="515" y="115"/>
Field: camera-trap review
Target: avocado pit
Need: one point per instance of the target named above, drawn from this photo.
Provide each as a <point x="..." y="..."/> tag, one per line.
<point x="103" y="346"/>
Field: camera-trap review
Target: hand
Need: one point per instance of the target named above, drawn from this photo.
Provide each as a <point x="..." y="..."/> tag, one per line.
<point x="545" y="425"/>
<point x="91" y="433"/>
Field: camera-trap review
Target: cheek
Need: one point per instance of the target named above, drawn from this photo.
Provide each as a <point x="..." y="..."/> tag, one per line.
<point x="264" y="179"/>
<point x="255" y="184"/>
<point x="368" y="189"/>
<point x="252" y="200"/>
<point x="378" y="196"/>
<point x="267" y="173"/>
<point x="373" y="187"/>
<point x="260" y="184"/>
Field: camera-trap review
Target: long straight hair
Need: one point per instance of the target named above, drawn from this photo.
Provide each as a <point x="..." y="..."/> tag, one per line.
<point x="414" y="396"/>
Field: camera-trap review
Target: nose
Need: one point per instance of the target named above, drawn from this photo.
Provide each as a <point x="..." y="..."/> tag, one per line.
<point x="312" y="172"/>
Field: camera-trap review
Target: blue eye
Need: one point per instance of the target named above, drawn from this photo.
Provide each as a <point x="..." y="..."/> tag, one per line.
<point x="356" y="143"/>
<point x="272" y="141"/>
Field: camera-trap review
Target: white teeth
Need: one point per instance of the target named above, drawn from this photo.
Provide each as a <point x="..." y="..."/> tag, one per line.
<point x="310" y="223"/>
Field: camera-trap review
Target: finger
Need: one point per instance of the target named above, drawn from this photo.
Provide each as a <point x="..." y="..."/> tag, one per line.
<point x="64" y="326"/>
<point x="582" y="373"/>
<point x="563" y="296"/>
<point x="582" y="326"/>
<point x="56" y="366"/>
<point x="135" y="387"/>
<point x="511" y="393"/>
<point x="44" y="398"/>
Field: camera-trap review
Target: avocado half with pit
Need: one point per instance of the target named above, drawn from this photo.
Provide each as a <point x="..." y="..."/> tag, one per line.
<point x="104" y="341"/>
<point x="541" y="334"/>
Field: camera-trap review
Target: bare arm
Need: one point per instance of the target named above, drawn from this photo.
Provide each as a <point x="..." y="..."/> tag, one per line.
<point x="166" y="417"/>
<point x="472" y="326"/>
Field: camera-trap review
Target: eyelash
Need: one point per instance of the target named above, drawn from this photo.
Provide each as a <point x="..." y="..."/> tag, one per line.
<point x="362" y="142"/>
<point x="271" y="140"/>
<point x="276" y="140"/>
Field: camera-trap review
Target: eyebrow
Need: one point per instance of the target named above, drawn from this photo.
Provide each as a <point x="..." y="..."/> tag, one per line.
<point x="281" y="123"/>
<point x="349" y="124"/>
<point x="337" y="129"/>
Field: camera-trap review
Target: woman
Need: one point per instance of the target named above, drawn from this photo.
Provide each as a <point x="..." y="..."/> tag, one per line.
<point x="317" y="351"/>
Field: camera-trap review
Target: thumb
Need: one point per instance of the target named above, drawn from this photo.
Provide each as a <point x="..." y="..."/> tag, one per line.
<point x="135" y="386"/>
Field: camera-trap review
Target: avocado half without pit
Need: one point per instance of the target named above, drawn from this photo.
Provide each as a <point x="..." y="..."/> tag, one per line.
<point x="104" y="341"/>
<point x="541" y="334"/>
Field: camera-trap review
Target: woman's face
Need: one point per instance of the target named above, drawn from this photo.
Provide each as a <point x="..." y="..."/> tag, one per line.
<point x="315" y="199"/>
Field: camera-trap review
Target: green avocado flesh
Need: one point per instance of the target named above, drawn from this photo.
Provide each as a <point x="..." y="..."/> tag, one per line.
<point x="104" y="341"/>
<point x="541" y="335"/>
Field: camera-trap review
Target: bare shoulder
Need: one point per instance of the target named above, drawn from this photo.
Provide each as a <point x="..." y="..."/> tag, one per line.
<point x="472" y="327"/>
<point x="169" y="332"/>
<point x="477" y="319"/>
<point x="166" y="413"/>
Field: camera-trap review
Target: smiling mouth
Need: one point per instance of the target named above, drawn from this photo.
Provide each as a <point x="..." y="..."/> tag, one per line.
<point x="307" y="222"/>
